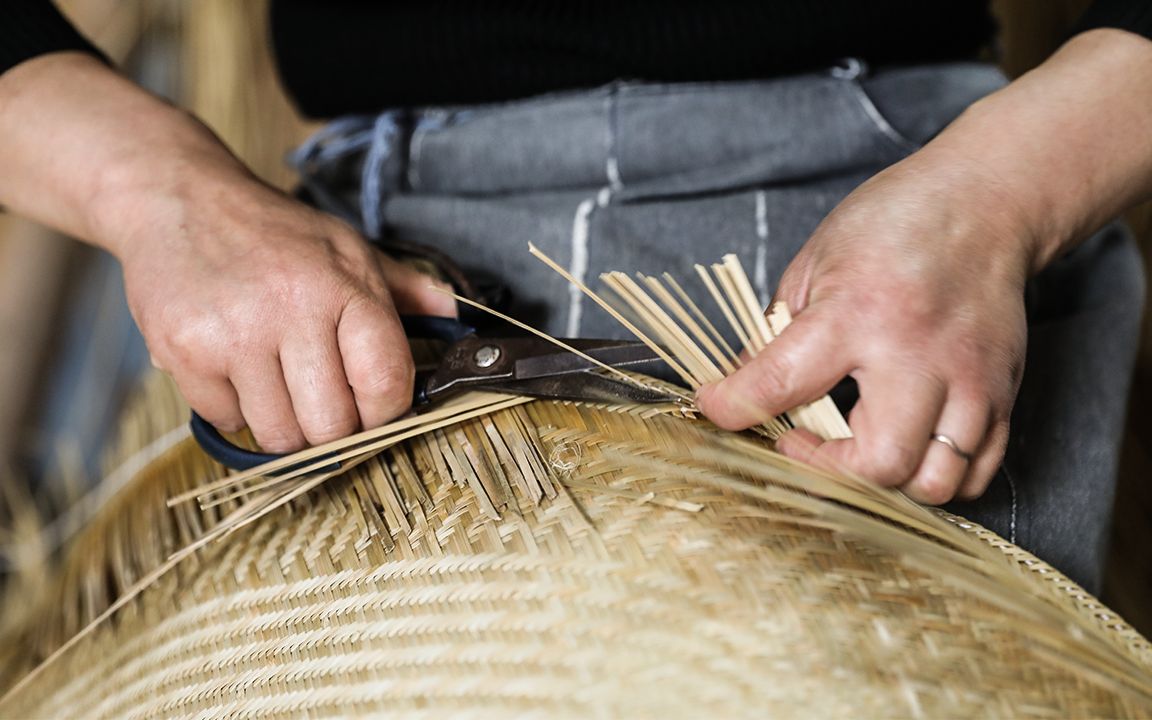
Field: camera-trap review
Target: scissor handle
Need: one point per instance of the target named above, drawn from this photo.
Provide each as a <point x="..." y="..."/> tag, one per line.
<point x="426" y="327"/>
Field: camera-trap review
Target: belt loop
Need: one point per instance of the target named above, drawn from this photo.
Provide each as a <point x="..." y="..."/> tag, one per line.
<point x="384" y="131"/>
<point x="331" y="143"/>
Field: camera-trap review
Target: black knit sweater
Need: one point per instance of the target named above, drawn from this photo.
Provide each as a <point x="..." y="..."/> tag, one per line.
<point x="341" y="56"/>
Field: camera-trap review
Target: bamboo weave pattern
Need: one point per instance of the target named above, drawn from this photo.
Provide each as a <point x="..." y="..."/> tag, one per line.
<point x="556" y="560"/>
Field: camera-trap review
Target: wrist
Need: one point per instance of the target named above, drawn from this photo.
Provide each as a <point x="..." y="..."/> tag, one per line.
<point x="980" y="219"/>
<point x="1019" y="180"/>
<point x="148" y="188"/>
<point x="1068" y="146"/>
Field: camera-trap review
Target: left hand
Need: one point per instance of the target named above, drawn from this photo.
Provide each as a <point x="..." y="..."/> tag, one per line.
<point x="914" y="287"/>
<point x="914" y="284"/>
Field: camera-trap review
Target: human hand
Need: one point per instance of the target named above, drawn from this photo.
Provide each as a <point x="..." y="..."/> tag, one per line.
<point x="267" y="313"/>
<point x="271" y="315"/>
<point x="914" y="287"/>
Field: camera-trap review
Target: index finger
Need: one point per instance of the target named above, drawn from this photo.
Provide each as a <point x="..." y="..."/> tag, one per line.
<point x="891" y="425"/>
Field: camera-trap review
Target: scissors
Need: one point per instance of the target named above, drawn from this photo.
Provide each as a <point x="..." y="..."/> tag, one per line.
<point x="523" y="365"/>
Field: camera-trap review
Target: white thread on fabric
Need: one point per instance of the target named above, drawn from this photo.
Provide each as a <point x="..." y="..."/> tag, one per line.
<point x="612" y="168"/>
<point x="578" y="266"/>
<point x="581" y="224"/>
<point x="760" y="268"/>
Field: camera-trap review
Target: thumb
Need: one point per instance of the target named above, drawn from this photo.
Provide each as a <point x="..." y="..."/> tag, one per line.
<point x="797" y="367"/>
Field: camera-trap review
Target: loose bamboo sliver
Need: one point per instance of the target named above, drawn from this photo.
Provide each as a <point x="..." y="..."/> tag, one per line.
<point x="676" y="367"/>
<point x="446" y="573"/>
<point x="713" y="351"/>
<point x="729" y="353"/>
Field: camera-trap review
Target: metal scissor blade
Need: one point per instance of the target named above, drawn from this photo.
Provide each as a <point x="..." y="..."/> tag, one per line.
<point x="588" y="386"/>
<point x="533" y="367"/>
<point x="625" y="356"/>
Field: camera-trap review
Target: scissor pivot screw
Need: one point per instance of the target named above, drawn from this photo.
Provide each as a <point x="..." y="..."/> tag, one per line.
<point x="486" y="356"/>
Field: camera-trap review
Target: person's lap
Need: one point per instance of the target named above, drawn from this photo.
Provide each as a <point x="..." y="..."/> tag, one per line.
<point x="656" y="178"/>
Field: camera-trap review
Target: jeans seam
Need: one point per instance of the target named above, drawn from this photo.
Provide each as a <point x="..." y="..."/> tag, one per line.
<point x="879" y="122"/>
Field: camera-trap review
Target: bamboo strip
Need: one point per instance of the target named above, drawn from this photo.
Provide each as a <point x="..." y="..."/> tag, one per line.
<point x="702" y="339"/>
<point x="679" y="370"/>
<point x="725" y="308"/>
<point x="729" y="353"/>
<point x="444" y="576"/>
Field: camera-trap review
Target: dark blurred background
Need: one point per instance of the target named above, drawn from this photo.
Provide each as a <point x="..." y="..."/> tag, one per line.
<point x="69" y="352"/>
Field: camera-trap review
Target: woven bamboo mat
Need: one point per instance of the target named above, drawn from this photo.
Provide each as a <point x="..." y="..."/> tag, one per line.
<point x="556" y="560"/>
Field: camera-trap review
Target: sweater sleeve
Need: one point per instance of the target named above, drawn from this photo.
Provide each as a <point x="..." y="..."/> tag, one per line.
<point x="29" y="28"/>
<point x="1132" y="15"/>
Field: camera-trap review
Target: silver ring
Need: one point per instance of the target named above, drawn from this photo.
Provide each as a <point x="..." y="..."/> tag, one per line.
<point x="945" y="440"/>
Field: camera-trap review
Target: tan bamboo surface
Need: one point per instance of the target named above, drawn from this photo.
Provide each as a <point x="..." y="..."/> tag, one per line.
<point x="552" y="560"/>
<point x="555" y="559"/>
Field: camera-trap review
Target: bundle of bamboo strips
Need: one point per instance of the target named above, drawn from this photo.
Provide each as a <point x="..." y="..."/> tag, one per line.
<point x="509" y="556"/>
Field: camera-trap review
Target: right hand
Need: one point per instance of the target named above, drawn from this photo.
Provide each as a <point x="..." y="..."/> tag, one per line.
<point x="272" y="315"/>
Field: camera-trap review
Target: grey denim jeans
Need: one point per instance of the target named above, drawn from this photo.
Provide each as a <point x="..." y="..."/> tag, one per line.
<point x="656" y="177"/>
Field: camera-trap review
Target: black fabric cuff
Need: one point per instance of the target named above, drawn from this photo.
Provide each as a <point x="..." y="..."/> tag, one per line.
<point x="1131" y="15"/>
<point x="29" y="28"/>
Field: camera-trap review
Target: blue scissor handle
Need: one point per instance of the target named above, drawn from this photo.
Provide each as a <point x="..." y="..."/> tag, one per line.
<point x="427" y="327"/>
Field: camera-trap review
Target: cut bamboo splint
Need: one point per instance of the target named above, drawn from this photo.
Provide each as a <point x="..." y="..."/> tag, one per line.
<point x="505" y="557"/>
<point x="674" y="327"/>
<point x="681" y="342"/>
<point x="564" y="560"/>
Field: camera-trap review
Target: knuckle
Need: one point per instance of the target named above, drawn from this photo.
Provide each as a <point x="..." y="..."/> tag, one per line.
<point x="195" y="342"/>
<point x="770" y="377"/>
<point x="934" y="488"/>
<point x="280" y="438"/>
<point x="889" y="463"/>
<point x="184" y="344"/>
<point x="227" y="423"/>
<point x="224" y="420"/>
<point x="972" y="491"/>
<point x="325" y="429"/>
<point x="230" y="426"/>
<point x="382" y="379"/>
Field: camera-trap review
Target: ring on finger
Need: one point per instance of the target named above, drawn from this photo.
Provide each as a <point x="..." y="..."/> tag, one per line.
<point x="951" y="444"/>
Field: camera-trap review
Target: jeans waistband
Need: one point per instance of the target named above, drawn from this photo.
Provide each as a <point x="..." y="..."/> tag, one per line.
<point x="638" y="139"/>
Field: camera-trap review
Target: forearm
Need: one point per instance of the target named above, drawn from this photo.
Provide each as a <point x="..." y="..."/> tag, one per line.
<point x="1066" y="147"/>
<point x="82" y="145"/>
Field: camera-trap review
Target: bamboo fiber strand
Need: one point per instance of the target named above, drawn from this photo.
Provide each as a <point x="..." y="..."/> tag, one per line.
<point x="674" y="539"/>
<point x="517" y="557"/>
